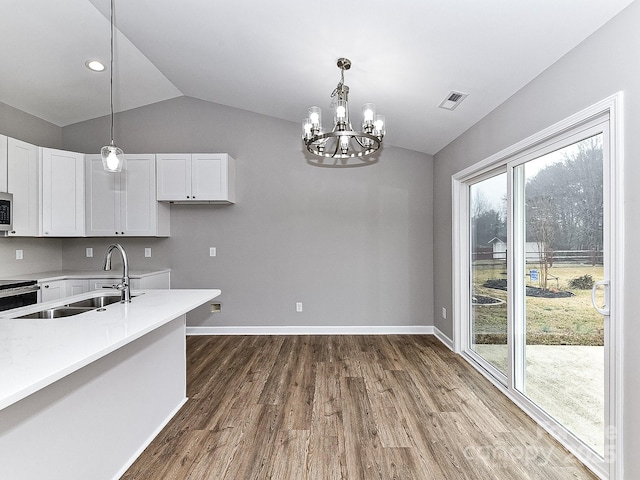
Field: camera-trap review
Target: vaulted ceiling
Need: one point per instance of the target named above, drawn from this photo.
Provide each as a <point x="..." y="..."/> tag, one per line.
<point x="278" y="57"/>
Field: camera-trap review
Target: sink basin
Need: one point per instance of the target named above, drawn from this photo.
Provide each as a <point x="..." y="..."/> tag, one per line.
<point x="58" y="312"/>
<point x="76" y="308"/>
<point x="96" y="302"/>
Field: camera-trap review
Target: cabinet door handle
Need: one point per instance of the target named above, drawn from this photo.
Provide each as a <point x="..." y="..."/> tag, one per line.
<point x="46" y="286"/>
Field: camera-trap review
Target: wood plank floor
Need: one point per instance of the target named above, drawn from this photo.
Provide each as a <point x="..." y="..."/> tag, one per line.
<point x="345" y="407"/>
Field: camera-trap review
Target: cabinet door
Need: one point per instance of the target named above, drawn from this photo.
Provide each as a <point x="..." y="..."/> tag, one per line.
<point x="52" y="290"/>
<point x="62" y="193"/>
<point x="3" y="164"/>
<point x="76" y="287"/>
<point x="174" y="176"/>
<point x="102" y="199"/>
<point x="138" y="205"/>
<point x="22" y="181"/>
<point x="209" y="176"/>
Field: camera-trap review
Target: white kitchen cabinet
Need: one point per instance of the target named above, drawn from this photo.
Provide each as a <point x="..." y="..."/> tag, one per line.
<point x="24" y="182"/>
<point x="124" y="204"/>
<point x="54" y="290"/>
<point x="76" y="286"/>
<point x="196" y="178"/>
<point x="62" y="200"/>
<point x="3" y="163"/>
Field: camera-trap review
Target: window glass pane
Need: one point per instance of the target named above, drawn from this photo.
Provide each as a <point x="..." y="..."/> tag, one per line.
<point x="488" y="329"/>
<point x="564" y="352"/>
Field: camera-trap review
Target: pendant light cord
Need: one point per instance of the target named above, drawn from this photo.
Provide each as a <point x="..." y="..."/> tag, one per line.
<point x="111" y="73"/>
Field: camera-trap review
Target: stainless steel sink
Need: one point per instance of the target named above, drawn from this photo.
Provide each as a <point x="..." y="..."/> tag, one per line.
<point x="96" y="302"/>
<point x="76" y="308"/>
<point x="58" y="312"/>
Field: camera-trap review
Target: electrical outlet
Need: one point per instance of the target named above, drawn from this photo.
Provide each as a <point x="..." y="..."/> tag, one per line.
<point x="216" y="307"/>
<point x="19" y="254"/>
<point x="298" y="306"/>
<point x="212" y="251"/>
<point x="444" y="313"/>
<point x="89" y="252"/>
<point x="147" y="252"/>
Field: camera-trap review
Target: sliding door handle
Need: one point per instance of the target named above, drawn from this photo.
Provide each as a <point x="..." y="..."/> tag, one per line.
<point x="604" y="310"/>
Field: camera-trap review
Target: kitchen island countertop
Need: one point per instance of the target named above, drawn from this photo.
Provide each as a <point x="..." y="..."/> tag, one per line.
<point x="35" y="353"/>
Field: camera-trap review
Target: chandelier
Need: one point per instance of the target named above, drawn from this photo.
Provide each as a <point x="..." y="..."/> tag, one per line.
<point x="343" y="144"/>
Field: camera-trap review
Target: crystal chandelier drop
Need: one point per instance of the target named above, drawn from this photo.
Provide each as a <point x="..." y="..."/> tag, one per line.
<point x="343" y="143"/>
<point x="112" y="155"/>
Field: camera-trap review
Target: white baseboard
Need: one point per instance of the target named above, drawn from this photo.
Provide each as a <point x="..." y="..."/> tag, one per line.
<point x="443" y="338"/>
<point x="317" y="330"/>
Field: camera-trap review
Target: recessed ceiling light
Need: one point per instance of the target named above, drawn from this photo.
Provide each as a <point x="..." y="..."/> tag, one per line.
<point x="95" y="65"/>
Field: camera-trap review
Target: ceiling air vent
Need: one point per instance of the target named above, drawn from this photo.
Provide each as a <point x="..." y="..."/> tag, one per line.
<point x="452" y="100"/>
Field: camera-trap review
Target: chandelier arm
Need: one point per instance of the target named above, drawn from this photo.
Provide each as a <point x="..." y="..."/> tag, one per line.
<point x="335" y="151"/>
<point x="357" y="137"/>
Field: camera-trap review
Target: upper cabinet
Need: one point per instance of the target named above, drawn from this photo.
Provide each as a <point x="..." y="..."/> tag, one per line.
<point x="3" y="164"/>
<point x="196" y="178"/>
<point x="124" y="204"/>
<point x="23" y="181"/>
<point x="62" y="199"/>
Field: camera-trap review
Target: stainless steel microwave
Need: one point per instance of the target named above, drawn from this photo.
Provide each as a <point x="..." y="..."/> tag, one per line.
<point x="6" y="213"/>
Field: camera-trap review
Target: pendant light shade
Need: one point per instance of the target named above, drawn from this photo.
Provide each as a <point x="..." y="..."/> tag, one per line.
<point x="112" y="156"/>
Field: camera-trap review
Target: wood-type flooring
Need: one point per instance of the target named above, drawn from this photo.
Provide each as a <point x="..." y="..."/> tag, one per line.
<point x="345" y="407"/>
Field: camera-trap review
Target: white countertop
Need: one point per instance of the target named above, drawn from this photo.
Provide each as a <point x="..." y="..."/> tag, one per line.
<point x="85" y="274"/>
<point x="36" y="353"/>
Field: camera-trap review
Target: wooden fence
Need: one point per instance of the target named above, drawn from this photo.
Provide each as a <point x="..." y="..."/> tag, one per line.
<point x="590" y="257"/>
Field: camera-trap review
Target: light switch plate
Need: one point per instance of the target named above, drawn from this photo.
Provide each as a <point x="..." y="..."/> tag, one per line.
<point x="19" y="254"/>
<point x="89" y="252"/>
<point x="212" y="251"/>
<point x="147" y="252"/>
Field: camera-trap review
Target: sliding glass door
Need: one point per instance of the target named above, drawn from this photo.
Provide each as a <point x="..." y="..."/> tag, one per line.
<point x="561" y="256"/>
<point x="533" y="267"/>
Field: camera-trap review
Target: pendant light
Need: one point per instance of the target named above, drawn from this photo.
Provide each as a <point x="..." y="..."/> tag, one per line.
<point x="112" y="156"/>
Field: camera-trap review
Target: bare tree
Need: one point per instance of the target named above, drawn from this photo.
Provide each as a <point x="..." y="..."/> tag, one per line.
<point x="542" y="222"/>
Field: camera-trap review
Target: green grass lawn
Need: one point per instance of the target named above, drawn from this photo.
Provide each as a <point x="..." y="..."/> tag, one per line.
<point x="549" y="321"/>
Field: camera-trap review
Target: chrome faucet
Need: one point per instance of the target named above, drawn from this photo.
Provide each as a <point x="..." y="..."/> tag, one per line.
<point x="124" y="287"/>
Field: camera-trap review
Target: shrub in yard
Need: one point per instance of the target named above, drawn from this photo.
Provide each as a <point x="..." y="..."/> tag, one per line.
<point x="584" y="282"/>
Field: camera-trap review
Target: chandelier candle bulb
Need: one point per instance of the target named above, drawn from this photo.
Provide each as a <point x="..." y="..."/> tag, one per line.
<point x="315" y="117"/>
<point x="341" y="112"/>
<point x="344" y="144"/>
<point x="368" y="114"/>
<point x="379" y="126"/>
<point x="306" y="129"/>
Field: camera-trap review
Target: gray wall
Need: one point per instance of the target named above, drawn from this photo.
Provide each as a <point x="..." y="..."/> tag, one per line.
<point x="18" y="124"/>
<point x="607" y="62"/>
<point x="354" y="245"/>
<point x="39" y="254"/>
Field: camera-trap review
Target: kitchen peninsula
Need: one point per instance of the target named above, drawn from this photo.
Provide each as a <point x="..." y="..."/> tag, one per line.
<point x="82" y="396"/>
